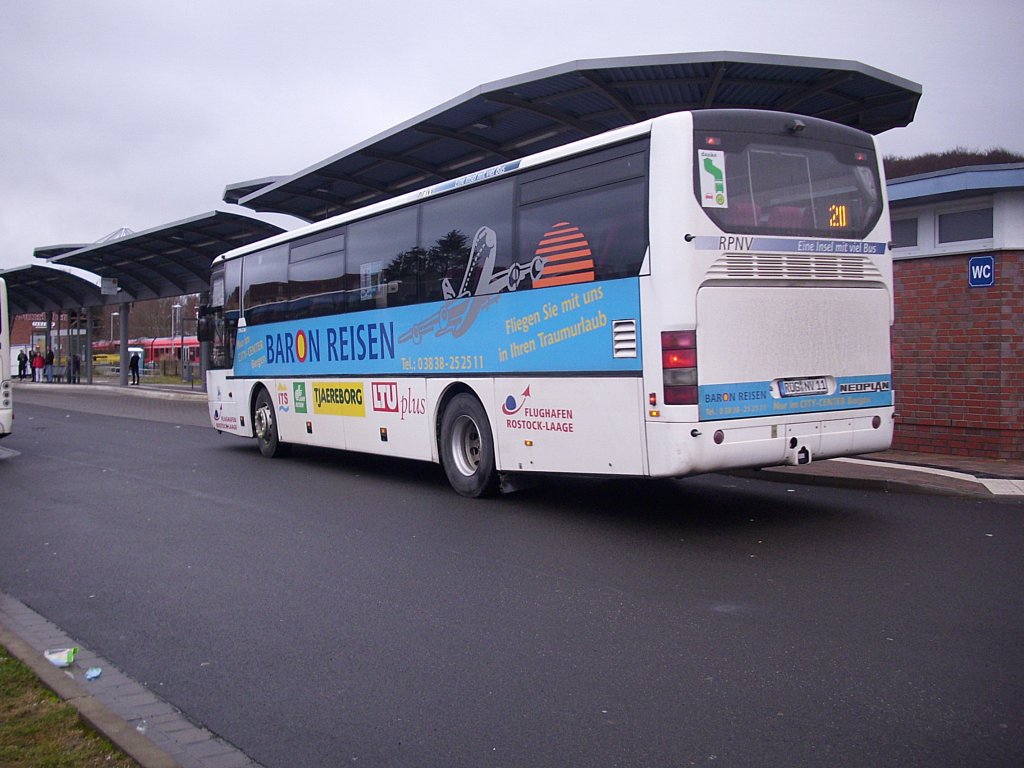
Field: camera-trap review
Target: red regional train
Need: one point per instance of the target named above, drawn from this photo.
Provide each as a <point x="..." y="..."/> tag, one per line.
<point x="154" y="350"/>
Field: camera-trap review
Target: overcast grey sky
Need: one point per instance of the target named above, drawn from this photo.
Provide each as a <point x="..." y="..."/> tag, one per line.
<point x="130" y="113"/>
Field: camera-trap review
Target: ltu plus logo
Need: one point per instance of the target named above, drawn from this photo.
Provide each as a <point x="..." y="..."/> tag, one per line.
<point x="388" y="399"/>
<point x="385" y="396"/>
<point x="511" y="406"/>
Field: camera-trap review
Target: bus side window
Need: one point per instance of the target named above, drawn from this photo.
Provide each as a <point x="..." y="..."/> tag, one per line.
<point x="233" y="285"/>
<point x="447" y="228"/>
<point x="316" y="272"/>
<point x="606" y="226"/>
<point x="586" y="217"/>
<point x="401" y="277"/>
<point x="316" y="285"/>
<point x="265" y="285"/>
<point x="375" y="265"/>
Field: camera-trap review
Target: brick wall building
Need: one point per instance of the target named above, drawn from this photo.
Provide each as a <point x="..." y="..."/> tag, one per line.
<point x="958" y="337"/>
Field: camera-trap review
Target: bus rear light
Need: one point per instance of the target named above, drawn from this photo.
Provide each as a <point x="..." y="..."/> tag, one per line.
<point x="679" y="367"/>
<point x="679" y="358"/>
<point x="680" y="377"/>
<point x="678" y="340"/>
<point x="680" y="395"/>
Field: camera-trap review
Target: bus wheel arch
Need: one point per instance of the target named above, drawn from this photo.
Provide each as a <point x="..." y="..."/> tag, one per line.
<point x="265" y="425"/>
<point x="465" y="443"/>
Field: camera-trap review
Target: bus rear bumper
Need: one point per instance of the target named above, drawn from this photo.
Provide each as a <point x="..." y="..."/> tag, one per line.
<point x="678" y="449"/>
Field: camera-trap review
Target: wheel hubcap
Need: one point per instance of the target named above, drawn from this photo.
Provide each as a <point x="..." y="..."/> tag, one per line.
<point x="466" y="445"/>
<point x="263" y="421"/>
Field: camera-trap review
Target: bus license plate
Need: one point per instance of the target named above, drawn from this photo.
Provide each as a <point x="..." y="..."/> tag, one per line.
<point x="802" y="387"/>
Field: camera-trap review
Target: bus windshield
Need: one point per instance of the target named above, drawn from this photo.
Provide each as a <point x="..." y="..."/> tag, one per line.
<point x="752" y="183"/>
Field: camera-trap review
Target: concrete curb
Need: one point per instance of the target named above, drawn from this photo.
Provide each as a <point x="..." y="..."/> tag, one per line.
<point x="888" y="478"/>
<point x="114" y="704"/>
<point x="90" y="709"/>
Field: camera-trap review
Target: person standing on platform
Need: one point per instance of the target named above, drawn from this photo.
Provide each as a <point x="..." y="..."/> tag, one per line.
<point x="37" y="366"/>
<point x="133" y="366"/>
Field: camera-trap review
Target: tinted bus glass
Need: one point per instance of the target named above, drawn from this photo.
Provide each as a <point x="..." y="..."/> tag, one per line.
<point x="780" y="185"/>
<point x="448" y="227"/>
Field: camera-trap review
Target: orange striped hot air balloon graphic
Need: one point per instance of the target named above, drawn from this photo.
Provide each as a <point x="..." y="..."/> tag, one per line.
<point x="567" y="257"/>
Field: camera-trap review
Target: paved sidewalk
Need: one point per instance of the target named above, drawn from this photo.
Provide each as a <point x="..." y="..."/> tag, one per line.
<point x="911" y="473"/>
<point x="142" y="725"/>
<point x="188" y="392"/>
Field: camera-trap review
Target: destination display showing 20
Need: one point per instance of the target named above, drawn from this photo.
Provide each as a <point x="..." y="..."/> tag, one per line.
<point x="838" y="216"/>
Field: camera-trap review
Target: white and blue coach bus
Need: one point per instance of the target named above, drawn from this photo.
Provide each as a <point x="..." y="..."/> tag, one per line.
<point x="702" y="291"/>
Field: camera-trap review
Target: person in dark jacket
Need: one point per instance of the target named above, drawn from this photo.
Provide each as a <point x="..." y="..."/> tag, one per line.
<point x="133" y="366"/>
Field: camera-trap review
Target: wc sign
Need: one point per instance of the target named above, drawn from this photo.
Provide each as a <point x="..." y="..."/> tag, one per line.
<point x="981" y="271"/>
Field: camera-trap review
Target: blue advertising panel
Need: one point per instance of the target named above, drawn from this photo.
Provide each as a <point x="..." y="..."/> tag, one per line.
<point x="560" y="329"/>
<point x="751" y="399"/>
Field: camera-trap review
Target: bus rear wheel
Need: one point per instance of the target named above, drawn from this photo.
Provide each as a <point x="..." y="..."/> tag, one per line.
<point x="467" y="447"/>
<point x="264" y="421"/>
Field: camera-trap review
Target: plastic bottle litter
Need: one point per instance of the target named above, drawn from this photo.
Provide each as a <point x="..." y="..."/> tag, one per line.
<point x="60" y="657"/>
<point x="142" y="726"/>
<point x="92" y="673"/>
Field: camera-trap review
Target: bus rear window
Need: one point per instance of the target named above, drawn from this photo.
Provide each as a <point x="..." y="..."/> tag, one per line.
<point x="751" y="183"/>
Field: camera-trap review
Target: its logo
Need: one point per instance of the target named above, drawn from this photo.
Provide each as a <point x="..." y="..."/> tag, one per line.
<point x="511" y="406"/>
<point x="282" y="398"/>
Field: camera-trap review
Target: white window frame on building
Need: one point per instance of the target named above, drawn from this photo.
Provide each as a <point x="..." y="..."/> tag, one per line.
<point x="996" y="189"/>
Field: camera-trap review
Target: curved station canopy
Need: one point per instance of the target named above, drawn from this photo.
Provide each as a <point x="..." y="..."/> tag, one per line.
<point x="35" y="288"/>
<point x="511" y="118"/>
<point x="171" y="260"/>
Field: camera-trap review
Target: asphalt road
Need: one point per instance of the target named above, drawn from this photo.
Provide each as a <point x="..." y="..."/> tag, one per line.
<point x="335" y="609"/>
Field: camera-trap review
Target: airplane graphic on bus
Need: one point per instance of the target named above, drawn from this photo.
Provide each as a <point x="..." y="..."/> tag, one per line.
<point x="462" y="307"/>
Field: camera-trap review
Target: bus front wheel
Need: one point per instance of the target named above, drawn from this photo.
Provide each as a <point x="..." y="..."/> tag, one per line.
<point x="467" y="447"/>
<point x="264" y="421"/>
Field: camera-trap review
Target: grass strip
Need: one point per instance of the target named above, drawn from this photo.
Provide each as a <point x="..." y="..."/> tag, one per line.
<point x="38" y="730"/>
